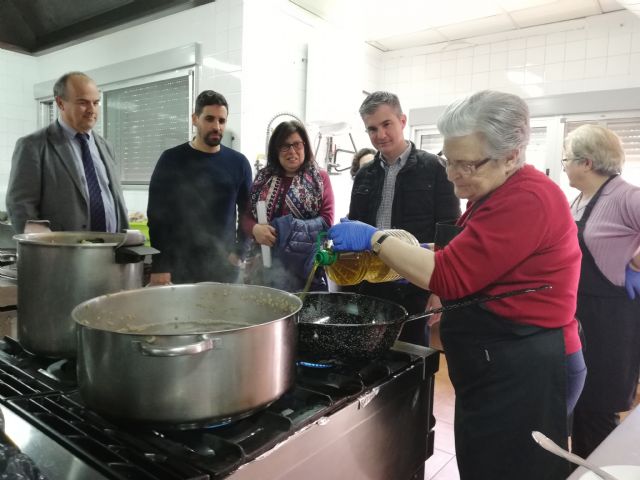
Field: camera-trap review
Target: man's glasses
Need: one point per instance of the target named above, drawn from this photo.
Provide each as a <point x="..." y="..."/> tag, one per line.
<point x="464" y="168"/>
<point x="297" y="146"/>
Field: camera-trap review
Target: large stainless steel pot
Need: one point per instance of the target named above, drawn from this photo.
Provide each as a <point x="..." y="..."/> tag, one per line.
<point x="186" y="353"/>
<point x="59" y="270"/>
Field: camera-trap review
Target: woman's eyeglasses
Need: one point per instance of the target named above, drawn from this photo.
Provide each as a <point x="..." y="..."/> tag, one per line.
<point x="565" y="160"/>
<point x="297" y="146"/>
<point x="464" y="168"/>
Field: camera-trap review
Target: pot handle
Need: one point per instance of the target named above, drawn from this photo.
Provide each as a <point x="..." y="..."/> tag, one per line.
<point x="204" y="345"/>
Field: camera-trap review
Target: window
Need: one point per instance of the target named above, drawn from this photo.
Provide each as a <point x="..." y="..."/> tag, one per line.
<point x="141" y="121"/>
<point x="430" y="141"/>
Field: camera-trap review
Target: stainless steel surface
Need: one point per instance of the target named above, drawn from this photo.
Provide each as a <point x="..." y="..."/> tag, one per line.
<point x="186" y="353"/>
<point x="52" y="459"/>
<point x="56" y="272"/>
<point x="6" y="236"/>
<point x="550" y="446"/>
<point x="383" y="435"/>
<point x="621" y="447"/>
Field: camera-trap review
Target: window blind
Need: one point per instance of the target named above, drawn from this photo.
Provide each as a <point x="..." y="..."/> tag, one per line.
<point x="142" y="121"/>
<point x="431" y="142"/>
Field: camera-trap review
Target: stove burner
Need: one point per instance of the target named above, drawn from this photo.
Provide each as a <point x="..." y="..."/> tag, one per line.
<point x="303" y="363"/>
<point x="63" y="371"/>
<point x="203" y="425"/>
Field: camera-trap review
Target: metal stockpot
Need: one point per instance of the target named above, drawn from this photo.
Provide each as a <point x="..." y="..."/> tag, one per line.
<point x="59" y="270"/>
<point x="186" y="354"/>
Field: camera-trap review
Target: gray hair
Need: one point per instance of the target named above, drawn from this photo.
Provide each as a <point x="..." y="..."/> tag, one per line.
<point x="600" y="145"/>
<point x="501" y="118"/>
<point x="60" y="87"/>
<point x="377" y="99"/>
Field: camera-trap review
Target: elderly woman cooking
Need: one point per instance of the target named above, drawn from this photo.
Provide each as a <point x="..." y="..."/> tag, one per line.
<point x="516" y="364"/>
<point x="607" y="212"/>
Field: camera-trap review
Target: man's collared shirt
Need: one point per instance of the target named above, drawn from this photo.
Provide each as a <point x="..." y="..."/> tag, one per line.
<point x="101" y="172"/>
<point x="383" y="216"/>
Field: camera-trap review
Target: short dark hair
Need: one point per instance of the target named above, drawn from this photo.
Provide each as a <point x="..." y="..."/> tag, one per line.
<point x="355" y="163"/>
<point x="209" y="97"/>
<point x="60" y="87"/>
<point x="376" y="99"/>
<point x="278" y="139"/>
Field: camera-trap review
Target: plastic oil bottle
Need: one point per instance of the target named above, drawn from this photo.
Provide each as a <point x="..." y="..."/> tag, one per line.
<point x="351" y="268"/>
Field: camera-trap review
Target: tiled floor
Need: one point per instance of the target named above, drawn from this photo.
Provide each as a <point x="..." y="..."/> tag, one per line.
<point x="442" y="465"/>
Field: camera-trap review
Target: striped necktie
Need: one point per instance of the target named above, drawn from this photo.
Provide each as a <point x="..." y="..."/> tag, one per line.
<point x="96" y="206"/>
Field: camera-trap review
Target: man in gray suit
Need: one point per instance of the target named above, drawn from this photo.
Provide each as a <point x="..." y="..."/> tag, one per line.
<point x="65" y="172"/>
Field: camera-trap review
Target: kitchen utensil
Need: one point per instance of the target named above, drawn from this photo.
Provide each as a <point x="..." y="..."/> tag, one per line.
<point x="360" y="325"/>
<point x="261" y="210"/>
<point x="549" y="445"/>
<point x="186" y="353"/>
<point x="57" y="271"/>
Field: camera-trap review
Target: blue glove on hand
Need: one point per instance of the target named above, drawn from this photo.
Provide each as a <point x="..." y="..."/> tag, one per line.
<point x="632" y="282"/>
<point x="351" y="236"/>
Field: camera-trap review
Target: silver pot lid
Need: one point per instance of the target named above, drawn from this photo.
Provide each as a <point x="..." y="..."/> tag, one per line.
<point x="72" y="239"/>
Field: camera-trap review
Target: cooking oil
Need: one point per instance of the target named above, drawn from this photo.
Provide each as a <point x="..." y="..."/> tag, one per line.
<point x="307" y="285"/>
<point x="351" y="268"/>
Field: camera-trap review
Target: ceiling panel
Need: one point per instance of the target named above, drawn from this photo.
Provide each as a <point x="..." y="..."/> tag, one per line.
<point x="397" y="24"/>
<point x="555" y="12"/>
<point x="473" y="28"/>
<point x="397" y="42"/>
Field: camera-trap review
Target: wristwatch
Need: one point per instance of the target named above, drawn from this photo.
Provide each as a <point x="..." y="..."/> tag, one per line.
<point x="375" y="248"/>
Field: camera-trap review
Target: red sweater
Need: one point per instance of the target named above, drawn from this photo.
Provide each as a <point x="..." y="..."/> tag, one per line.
<point x="521" y="236"/>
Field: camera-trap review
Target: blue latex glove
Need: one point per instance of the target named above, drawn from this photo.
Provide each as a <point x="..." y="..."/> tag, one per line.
<point x="351" y="236"/>
<point x="632" y="282"/>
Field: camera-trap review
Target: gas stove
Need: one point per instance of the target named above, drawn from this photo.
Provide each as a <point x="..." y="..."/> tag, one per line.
<point x="357" y="420"/>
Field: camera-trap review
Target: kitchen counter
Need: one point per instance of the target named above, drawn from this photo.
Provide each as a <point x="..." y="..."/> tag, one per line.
<point x="621" y="447"/>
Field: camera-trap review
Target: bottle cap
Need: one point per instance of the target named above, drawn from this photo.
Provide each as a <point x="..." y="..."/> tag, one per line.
<point x="326" y="257"/>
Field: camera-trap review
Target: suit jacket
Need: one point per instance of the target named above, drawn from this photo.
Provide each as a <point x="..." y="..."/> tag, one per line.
<point x="45" y="184"/>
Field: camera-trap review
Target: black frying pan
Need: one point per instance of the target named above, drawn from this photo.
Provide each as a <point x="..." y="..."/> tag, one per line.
<point x="352" y="325"/>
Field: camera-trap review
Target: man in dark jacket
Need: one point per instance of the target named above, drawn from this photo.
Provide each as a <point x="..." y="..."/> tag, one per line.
<point x="404" y="188"/>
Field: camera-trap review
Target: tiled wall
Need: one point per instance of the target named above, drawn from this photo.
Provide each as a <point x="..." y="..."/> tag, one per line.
<point x="594" y="53"/>
<point x="17" y="109"/>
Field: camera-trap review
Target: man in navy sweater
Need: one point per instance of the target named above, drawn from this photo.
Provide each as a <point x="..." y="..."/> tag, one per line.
<point x="196" y="190"/>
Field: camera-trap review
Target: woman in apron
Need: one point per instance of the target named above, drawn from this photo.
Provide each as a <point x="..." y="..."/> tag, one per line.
<point x="516" y="364"/>
<point x="607" y="212"/>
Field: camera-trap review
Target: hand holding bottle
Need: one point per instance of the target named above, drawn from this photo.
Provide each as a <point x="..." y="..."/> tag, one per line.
<point x="351" y="236"/>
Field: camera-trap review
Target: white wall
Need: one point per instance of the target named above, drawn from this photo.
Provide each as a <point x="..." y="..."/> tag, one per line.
<point x="594" y="53"/>
<point x="18" y="111"/>
<point x="296" y="63"/>
<point x="274" y="58"/>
